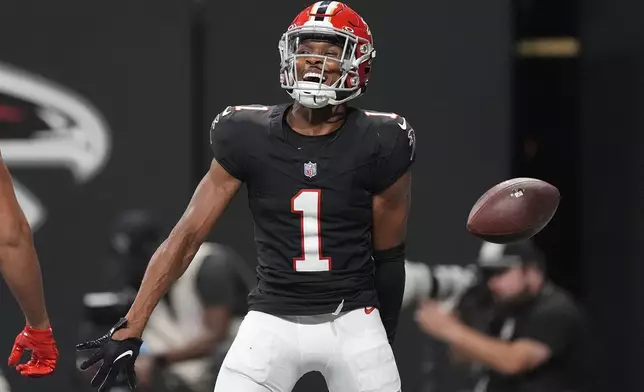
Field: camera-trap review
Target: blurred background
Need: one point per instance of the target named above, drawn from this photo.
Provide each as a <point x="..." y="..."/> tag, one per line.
<point x="105" y="108"/>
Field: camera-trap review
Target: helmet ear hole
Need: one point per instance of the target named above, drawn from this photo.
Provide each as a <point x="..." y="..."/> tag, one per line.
<point x="367" y="70"/>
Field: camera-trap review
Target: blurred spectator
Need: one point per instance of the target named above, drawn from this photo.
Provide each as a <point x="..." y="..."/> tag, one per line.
<point x="190" y="331"/>
<point x="192" y="327"/>
<point x="134" y="237"/>
<point x="533" y="339"/>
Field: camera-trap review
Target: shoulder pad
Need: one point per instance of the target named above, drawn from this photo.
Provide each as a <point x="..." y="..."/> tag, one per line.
<point x="390" y="126"/>
<point x="228" y="133"/>
<point x="396" y="147"/>
<point x="375" y="118"/>
<point x="255" y="113"/>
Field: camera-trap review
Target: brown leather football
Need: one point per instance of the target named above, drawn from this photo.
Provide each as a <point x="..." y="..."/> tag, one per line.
<point x="513" y="210"/>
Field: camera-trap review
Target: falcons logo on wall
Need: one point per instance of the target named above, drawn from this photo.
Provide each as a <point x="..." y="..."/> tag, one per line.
<point x="44" y="125"/>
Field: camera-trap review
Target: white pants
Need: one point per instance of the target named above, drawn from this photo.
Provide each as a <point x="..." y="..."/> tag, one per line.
<point x="271" y="353"/>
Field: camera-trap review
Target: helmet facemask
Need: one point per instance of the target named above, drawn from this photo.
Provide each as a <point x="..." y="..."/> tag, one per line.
<point x="317" y="94"/>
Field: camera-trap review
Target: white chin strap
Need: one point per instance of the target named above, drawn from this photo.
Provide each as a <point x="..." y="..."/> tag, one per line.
<point x="310" y="94"/>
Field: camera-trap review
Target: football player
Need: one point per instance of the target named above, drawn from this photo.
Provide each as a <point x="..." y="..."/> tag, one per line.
<point x="329" y="189"/>
<point x="20" y="269"/>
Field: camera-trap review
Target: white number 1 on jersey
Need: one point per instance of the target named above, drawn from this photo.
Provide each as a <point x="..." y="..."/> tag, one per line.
<point x="307" y="204"/>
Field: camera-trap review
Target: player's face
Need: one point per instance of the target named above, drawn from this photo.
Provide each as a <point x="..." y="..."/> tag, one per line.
<point x="309" y="68"/>
<point x="508" y="285"/>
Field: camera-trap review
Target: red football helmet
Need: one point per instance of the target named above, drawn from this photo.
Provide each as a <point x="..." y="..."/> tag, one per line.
<point x="334" y="21"/>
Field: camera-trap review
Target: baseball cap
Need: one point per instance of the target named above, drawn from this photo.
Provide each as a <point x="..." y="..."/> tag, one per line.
<point x="503" y="256"/>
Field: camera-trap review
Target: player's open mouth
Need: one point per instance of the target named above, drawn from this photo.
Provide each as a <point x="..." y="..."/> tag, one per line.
<point x="314" y="77"/>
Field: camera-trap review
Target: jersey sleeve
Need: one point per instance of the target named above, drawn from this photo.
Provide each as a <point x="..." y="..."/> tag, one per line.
<point x="225" y="140"/>
<point x="396" y="155"/>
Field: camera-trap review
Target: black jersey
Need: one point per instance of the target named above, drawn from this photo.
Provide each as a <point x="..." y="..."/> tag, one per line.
<point x="312" y="202"/>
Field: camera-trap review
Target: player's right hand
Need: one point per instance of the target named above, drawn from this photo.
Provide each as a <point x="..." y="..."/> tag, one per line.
<point x="117" y="356"/>
<point x="44" y="353"/>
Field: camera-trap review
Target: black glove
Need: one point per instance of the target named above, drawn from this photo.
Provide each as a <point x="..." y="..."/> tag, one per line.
<point x="116" y="355"/>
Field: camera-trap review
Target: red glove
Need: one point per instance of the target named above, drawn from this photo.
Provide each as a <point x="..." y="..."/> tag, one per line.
<point x="44" y="353"/>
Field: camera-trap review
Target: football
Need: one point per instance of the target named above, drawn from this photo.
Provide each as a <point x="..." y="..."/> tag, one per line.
<point x="513" y="210"/>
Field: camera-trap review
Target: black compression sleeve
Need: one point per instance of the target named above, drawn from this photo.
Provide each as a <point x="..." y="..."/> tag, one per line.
<point x="390" y="285"/>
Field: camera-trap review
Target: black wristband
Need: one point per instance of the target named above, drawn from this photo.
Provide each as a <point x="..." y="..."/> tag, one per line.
<point x="389" y="281"/>
<point x="395" y="254"/>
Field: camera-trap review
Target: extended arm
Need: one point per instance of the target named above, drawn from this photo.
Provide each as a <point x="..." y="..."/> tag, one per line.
<point x="18" y="260"/>
<point x="548" y="334"/>
<point x="215" y="287"/>
<point x="503" y="356"/>
<point x="119" y="347"/>
<point x="171" y="259"/>
<point x="550" y="331"/>
<point x="20" y="269"/>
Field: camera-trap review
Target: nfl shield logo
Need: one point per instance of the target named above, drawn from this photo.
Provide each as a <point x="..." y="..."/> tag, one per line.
<point x="310" y="169"/>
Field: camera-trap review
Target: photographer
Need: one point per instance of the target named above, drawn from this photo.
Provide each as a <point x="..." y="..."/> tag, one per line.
<point x="534" y="339"/>
<point x="189" y="334"/>
<point x="191" y="328"/>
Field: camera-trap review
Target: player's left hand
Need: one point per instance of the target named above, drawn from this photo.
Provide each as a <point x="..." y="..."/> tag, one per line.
<point x="117" y="356"/>
<point x="44" y="353"/>
<point x="433" y="318"/>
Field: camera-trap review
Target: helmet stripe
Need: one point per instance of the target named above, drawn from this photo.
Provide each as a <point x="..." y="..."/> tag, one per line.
<point x="322" y="9"/>
<point x="330" y="10"/>
<point x="314" y="10"/>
